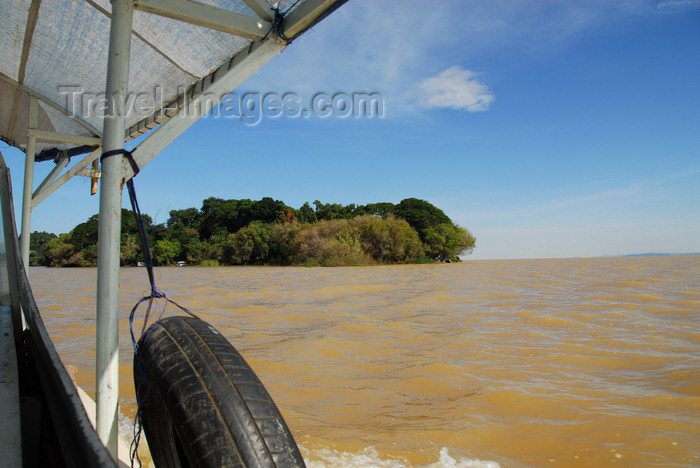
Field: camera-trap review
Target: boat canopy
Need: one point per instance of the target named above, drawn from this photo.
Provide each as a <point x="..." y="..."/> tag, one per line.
<point x="56" y="51"/>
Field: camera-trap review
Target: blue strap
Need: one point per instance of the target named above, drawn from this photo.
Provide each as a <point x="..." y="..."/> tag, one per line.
<point x="148" y="259"/>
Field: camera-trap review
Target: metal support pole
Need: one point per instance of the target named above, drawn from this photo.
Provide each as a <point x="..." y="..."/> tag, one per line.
<point x="107" y="365"/>
<point x="28" y="184"/>
<point x="58" y="168"/>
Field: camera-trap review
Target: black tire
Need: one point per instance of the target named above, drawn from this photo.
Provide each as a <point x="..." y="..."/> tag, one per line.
<point x="203" y="406"/>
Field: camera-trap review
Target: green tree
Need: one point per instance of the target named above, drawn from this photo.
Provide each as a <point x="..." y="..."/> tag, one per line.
<point x="306" y="214"/>
<point x="375" y="236"/>
<point x="197" y="252"/>
<point x="37" y="245"/>
<point x="60" y="252"/>
<point x="447" y="241"/>
<point x="382" y="209"/>
<point x="221" y="217"/>
<point x="268" y="210"/>
<point x="83" y="237"/>
<point x="130" y="250"/>
<point x="85" y="234"/>
<point x="129" y="227"/>
<point x="188" y="218"/>
<point x="388" y="239"/>
<point x="331" y="211"/>
<point x="405" y="242"/>
<point x="342" y="244"/>
<point x="216" y="244"/>
<point x="282" y="243"/>
<point x="165" y="251"/>
<point x="213" y="217"/>
<point x="420" y="215"/>
<point x="89" y="254"/>
<point x="250" y="245"/>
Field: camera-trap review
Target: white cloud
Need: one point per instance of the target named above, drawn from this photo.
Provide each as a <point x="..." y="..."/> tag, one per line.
<point x="678" y="4"/>
<point x="389" y="46"/>
<point x="454" y="88"/>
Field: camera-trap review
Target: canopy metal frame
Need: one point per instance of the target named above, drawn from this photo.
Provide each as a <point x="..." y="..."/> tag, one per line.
<point x="164" y="128"/>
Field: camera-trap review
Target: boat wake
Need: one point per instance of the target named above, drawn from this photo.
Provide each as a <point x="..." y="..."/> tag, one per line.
<point x="329" y="458"/>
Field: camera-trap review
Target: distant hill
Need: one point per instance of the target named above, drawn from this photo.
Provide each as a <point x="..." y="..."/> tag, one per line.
<point x="657" y="254"/>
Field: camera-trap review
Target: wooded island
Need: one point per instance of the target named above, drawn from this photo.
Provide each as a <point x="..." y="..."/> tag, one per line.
<point x="268" y="232"/>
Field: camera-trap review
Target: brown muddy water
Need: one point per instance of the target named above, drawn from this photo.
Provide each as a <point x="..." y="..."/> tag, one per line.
<point x="545" y="363"/>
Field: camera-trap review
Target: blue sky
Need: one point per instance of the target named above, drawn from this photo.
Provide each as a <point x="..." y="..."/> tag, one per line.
<point x="547" y="128"/>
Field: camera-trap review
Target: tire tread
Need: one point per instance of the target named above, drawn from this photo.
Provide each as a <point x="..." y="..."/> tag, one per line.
<point x="216" y="402"/>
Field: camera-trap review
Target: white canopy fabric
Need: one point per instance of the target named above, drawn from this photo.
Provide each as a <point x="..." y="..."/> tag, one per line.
<point x="56" y="51"/>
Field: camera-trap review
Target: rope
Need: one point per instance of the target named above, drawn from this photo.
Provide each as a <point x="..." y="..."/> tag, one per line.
<point x="141" y="392"/>
<point x="278" y="22"/>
